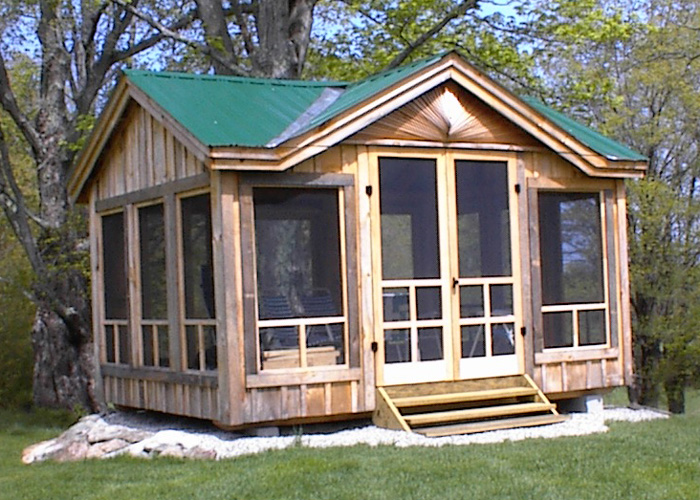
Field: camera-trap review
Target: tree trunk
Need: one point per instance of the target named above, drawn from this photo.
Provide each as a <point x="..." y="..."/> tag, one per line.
<point x="283" y="28"/>
<point x="63" y="369"/>
<point x="675" y="394"/>
<point x="62" y="334"/>
<point x="647" y="357"/>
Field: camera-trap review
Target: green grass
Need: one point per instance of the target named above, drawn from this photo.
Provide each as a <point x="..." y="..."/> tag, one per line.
<point x="653" y="460"/>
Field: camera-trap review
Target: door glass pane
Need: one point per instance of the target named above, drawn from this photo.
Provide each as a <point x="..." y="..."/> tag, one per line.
<point x="483" y="219"/>
<point x="502" y="339"/>
<point x="397" y="346"/>
<point x="428" y="302"/>
<point x="396" y="304"/>
<point x="409" y="218"/>
<point x="430" y="344"/>
<point x="501" y="300"/>
<point x="591" y="327"/>
<point x="471" y="301"/>
<point x="154" y="303"/>
<point x="558" y="329"/>
<point x="297" y="244"/>
<point x="570" y="248"/>
<point x="473" y="345"/>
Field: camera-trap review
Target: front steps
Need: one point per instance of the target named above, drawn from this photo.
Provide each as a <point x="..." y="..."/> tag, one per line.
<point x="463" y="407"/>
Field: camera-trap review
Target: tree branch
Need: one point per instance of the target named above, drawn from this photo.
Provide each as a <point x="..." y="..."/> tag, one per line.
<point x="9" y="104"/>
<point x="456" y="12"/>
<point x="170" y="33"/>
<point x="15" y="209"/>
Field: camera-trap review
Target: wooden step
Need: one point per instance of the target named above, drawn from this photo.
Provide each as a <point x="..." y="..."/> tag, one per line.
<point x="464" y="397"/>
<point x="491" y="425"/>
<point x="477" y="413"/>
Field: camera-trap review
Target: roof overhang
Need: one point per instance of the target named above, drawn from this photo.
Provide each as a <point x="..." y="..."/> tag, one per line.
<point x="451" y="67"/>
<point x="124" y="93"/>
<point x="314" y="141"/>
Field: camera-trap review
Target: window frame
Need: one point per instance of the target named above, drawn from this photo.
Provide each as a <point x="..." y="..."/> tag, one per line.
<point x="183" y="320"/>
<point x="344" y="185"/>
<point x="114" y="324"/>
<point x="154" y="324"/>
<point x="128" y="204"/>
<point x="606" y="192"/>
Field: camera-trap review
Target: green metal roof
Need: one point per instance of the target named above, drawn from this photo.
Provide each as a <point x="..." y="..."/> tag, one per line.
<point x="232" y="111"/>
<point x="357" y="92"/>
<point x="599" y="143"/>
<point x="229" y="111"/>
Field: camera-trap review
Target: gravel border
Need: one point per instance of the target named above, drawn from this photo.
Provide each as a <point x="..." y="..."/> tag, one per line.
<point x="194" y="435"/>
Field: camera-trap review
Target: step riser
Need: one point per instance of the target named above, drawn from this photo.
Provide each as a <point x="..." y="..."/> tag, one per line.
<point x="473" y="428"/>
<point x="478" y="413"/>
<point x="446" y="408"/>
<point x="465" y="397"/>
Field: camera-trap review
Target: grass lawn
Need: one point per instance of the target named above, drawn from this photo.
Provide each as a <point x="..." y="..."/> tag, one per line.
<point x="652" y="460"/>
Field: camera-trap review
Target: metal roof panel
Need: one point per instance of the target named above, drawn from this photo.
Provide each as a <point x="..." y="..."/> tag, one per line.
<point x="229" y="111"/>
<point x="599" y="143"/>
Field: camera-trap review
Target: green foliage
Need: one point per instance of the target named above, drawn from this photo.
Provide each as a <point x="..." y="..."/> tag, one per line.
<point x="15" y="323"/>
<point x="358" y="38"/>
<point x="633" y="68"/>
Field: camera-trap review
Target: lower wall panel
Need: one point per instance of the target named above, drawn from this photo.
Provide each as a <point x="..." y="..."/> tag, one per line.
<point x="167" y="397"/>
<point x="563" y="377"/>
<point x="294" y="402"/>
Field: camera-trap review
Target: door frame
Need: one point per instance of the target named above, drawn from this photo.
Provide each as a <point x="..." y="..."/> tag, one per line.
<point x="449" y="265"/>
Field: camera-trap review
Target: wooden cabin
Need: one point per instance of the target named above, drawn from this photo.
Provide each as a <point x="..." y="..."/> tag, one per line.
<point x="421" y="242"/>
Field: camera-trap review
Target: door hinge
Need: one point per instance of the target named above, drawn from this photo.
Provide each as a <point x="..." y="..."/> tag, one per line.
<point x="517" y="188"/>
<point x="374" y="346"/>
<point x="368" y="190"/>
<point x="523" y="331"/>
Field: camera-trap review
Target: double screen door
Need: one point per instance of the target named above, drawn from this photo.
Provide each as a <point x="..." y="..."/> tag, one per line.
<point x="449" y="306"/>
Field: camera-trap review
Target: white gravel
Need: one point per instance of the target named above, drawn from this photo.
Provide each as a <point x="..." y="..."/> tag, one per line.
<point x="227" y="445"/>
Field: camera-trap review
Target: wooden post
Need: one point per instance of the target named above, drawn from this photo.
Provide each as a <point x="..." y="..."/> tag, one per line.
<point x="227" y="285"/>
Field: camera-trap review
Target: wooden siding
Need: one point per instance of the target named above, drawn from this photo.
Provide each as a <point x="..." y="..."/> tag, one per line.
<point x="304" y="401"/>
<point x="578" y="376"/>
<point x="311" y="394"/>
<point x="134" y="388"/>
<point x="447" y="114"/>
<point x="571" y="371"/>
<point x="142" y="154"/>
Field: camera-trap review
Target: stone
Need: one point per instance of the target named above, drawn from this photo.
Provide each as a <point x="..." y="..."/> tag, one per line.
<point x="264" y="431"/>
<point x="101" y="431"/>
<point x="99" y="450"/>
<point x="171" y="451"/>
<point x="72" y="451"/>
<point x="202" y="453"/>
<point x="39" y="452"/>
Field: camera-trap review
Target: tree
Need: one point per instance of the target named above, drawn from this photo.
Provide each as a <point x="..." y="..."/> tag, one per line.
<point x="78" y="47"/>
<point x="638" y="78"/>
<point x="75" y="50"/>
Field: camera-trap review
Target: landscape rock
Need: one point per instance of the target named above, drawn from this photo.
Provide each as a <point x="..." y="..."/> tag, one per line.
<point x="100" y="449"/>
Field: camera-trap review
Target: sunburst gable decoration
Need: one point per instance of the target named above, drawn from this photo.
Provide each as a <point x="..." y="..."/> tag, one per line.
<point x="446" y="114"/>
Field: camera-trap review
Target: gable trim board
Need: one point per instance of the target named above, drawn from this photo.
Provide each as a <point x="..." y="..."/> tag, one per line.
<point x="330" y="120"/>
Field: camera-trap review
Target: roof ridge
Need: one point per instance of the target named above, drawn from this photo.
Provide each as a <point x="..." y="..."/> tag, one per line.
<point x="233" y="79"/>
<point x="402" y="68"/>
